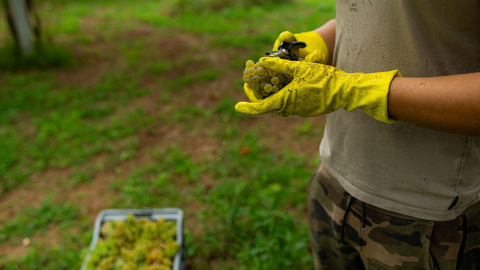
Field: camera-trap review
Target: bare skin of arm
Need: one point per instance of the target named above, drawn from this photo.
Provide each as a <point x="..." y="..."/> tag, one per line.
<point x="327" y="31"/>
<point x="449" y="103"/>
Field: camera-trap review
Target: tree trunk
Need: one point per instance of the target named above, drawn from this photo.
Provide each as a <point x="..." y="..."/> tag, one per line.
<point x="17" y="13"/>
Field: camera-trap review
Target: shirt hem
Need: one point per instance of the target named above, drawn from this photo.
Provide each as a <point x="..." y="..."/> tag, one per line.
<point x="388" y="204"/>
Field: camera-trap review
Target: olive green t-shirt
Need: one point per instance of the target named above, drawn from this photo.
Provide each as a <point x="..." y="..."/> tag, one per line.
<point x="400" y="167"/>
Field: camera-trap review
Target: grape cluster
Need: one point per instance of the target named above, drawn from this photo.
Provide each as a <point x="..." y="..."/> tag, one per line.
<point x="262" y="81"/>
<point x="135" y="244"/>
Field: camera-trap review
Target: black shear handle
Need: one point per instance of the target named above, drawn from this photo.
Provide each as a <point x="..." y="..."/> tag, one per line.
<point x="290" y="46"/>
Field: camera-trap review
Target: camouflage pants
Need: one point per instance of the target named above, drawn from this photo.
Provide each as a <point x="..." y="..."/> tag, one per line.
<point x="390" y="240"/>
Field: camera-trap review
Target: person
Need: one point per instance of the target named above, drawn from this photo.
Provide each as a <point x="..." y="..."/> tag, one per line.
<point x="398" y="185"/>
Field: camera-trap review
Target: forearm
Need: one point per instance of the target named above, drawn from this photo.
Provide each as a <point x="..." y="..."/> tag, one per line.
<point x="449" y="103"/>
<point x="327" y="31"/>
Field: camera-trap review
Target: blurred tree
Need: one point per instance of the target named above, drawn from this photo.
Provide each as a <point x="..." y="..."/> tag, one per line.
<point x="24" y="24"/>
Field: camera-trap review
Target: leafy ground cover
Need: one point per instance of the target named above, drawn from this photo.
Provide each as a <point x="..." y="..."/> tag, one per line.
<point x="131" y="105"/>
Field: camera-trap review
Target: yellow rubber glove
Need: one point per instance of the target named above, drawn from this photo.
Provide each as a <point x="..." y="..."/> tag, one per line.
<point x="250" y="93"/>
<point x="316" y="50"/>
<point x="320" y="89"/>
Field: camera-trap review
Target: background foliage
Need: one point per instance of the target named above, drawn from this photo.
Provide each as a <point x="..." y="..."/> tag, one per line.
<point x="130" y="104"/>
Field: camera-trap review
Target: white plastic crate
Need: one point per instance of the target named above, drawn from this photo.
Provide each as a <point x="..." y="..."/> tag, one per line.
<point x="172" y="214"/>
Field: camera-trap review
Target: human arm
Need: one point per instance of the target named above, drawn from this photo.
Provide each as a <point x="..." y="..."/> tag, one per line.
<point x="320" y="89"/>
<point x="327" y="31"/>
<point x="448" y="103"/>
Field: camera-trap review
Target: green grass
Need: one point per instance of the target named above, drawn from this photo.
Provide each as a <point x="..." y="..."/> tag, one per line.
<point x="187" y="80"/>
<point x="71" y="125"/>
<point x="247" y="209"/>
<point x="44" y="56"/>
<point x="37" y="220"/>
<point x="107" y="106"/>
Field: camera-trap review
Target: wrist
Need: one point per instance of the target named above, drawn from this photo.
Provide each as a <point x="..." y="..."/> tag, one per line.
<point x="369" y="92"/>
<point x="328" y="32"/>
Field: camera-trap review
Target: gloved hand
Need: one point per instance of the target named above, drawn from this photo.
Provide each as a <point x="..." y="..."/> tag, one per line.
<point x="250" y="93"/>
<point x="320" y="89"/>
<point x="316" y="50"/>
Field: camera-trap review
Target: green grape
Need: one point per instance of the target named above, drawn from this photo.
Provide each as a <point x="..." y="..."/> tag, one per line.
<point x="155" y="256"/>
<point x="119" y="264"/>
<point x="157" y="267"/>
<point x="167" y="261"/>
<point x="107" y="263"/>
<point x="140" y="255"/>
<point x="262" y="85"/>
<point x="267" y="88"/>
<point x="260" y="71"/>
<point x="135" y="244"/>
<point x="258" y="94"/>
<point x="262" y="81"/>
<point x="275" y="80"/>
<point x="171" y="249"/>
<point x="129" y="266"/>
<point x="255" y="86"/>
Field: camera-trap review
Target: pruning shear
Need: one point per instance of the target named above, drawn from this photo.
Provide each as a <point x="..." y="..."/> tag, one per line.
<point x="285" y="51"/>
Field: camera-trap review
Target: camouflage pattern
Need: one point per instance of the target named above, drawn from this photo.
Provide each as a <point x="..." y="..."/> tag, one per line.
<point x="390" y="240"/>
